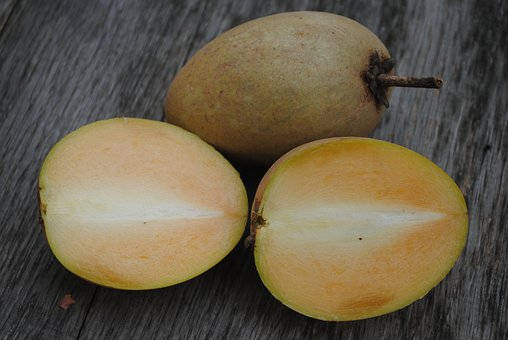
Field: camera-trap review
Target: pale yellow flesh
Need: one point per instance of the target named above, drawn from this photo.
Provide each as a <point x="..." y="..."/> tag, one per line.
<point x="138" y="204"/>
<point x="356" y="228"/>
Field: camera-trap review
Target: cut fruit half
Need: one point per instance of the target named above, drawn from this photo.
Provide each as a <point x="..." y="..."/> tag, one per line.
<point x="352" y="228"/>
<point x="138" y="204"/>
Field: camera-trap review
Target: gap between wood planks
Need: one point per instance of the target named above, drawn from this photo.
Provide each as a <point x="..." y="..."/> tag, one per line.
<point x="89" y="307"/>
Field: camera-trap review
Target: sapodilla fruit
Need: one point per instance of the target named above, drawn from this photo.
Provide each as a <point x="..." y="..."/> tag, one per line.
<point x="352" y="228"/>
<point x="139" y="204"/>
<point x="271" y="84"/>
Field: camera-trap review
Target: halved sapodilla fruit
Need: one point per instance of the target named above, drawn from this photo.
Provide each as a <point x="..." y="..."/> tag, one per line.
<point x="351" y="228"/>
<point x="139" y="204"/>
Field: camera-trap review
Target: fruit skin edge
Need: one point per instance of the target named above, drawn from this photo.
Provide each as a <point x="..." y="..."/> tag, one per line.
<point x="58" y="144"/>
<point x="278" y="166"/>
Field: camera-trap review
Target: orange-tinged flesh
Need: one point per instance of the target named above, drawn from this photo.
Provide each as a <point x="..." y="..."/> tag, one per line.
<point x="137" y="204"/>
<point x="355" y="228"/>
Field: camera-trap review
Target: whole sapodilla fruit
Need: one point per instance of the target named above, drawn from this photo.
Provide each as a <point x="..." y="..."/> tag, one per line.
<point x="351" y="228"/>
<point x="274" y="83"/>
<point x="139" y="204"/>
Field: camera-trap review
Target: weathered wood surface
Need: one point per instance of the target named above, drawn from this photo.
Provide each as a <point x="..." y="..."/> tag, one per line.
<point x="6" y="7"/>
<point x="66" y="63"/>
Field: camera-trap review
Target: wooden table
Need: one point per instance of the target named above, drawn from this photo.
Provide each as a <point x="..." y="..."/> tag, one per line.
<point x="67" y="63"/>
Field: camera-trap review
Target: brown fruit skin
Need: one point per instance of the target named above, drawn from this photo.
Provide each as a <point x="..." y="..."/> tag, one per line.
<point x="274" y="83"/>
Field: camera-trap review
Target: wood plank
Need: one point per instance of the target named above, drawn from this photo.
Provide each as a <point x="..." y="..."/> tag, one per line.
<point x="6" y="8"/>
<point x="31" y="281"/>
<point x="230" y="301"/>
<point x="66" y="65"/>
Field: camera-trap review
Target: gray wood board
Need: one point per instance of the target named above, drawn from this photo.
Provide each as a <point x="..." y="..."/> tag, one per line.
<point x="67" y="63"/>
<point x="6" y="7"/>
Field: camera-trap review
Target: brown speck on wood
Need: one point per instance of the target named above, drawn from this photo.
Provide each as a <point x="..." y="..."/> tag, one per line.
<point x="66" y="301"/>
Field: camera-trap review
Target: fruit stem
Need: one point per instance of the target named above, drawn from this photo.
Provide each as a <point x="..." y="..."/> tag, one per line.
<point x="378" y="78"/>
<point x="428" y="82"/>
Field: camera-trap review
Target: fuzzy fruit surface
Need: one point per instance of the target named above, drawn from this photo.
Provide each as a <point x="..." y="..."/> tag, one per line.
<point x="137" y="204"/>
<point x="271" y="84"/>
<point x="352" y="228"/>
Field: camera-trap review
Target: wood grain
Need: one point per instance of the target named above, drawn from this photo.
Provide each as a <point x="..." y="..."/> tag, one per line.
<point x="6" y="7"/>
<point x="66" y="63"/>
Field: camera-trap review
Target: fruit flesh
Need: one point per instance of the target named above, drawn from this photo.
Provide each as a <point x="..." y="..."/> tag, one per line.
<point x="271" y="84"/>
<point x="137" y="204"/>
<point x="356" y="228"/>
